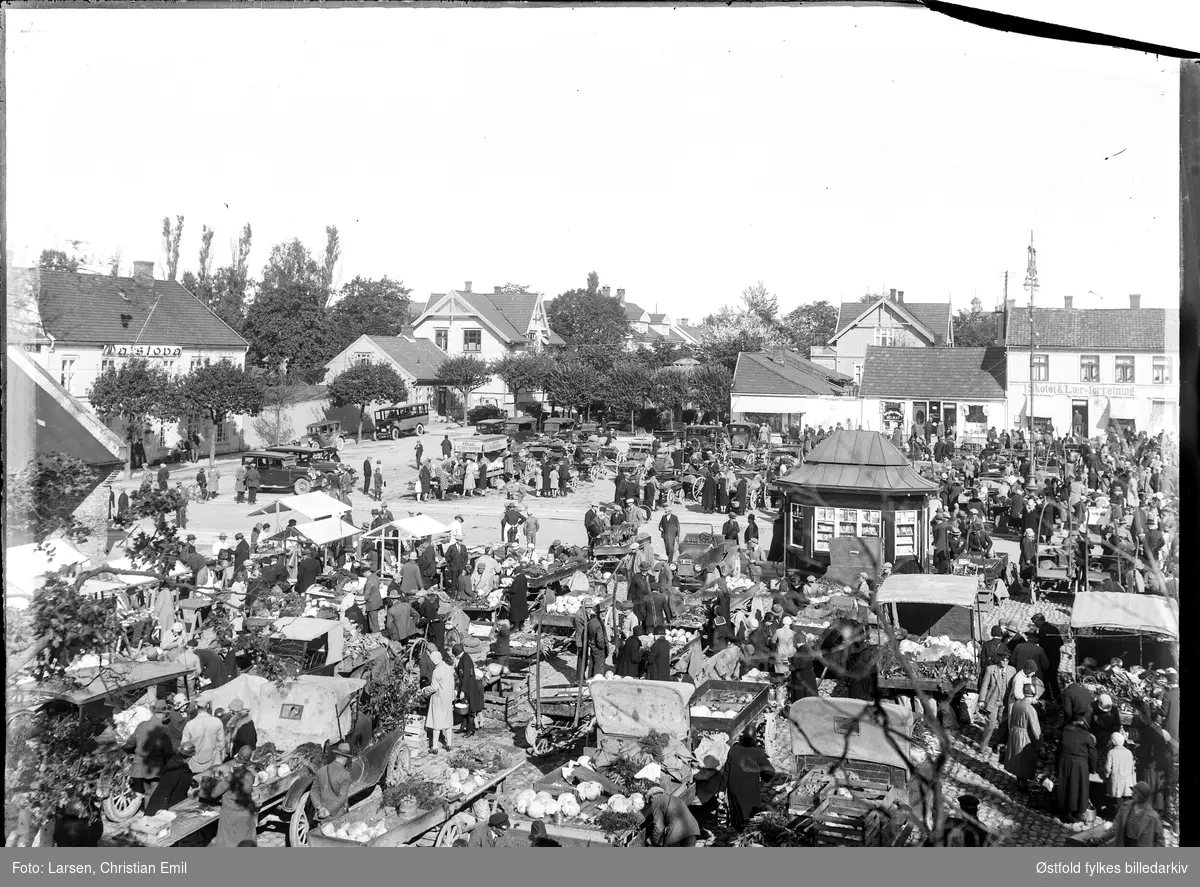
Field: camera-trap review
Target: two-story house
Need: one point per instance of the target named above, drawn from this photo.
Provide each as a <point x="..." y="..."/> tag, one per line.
<point x="487" y="326"/>
<point x="888" y="320"/>
<point x="1093" y="367"/>
<point x="648" y="327"/>
<point x="77" y="325"/>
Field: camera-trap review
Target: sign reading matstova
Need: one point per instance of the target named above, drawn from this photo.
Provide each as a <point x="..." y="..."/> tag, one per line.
<point x="1085" y="390"/>
<point x="143" y="350"/>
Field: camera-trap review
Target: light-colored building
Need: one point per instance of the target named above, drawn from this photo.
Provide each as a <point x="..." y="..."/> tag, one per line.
<point x="647" y="327"/>
<point x="964" y="388"/>
<point x="487" y="326"/>
<point x="1094" y="366"/>
<point x="77" y="325"/>
<point x="784" y="390"/>
<point x="888" y="320"/>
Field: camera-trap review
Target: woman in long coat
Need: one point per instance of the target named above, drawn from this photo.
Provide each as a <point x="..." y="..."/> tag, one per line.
<point x="1024" y="737"/>
<point x="723" y="492"/>
<point x="629" y="659"/>
<point x="238" y="823"/>
<point x="1118" y="771"/>
<point x="468" y="688"/>
<point x="468" y="479"/>
<point x="708" y="495"/>
<point x="440" y="718"/>
<point x="746" y="769"/>
<point x="743" y="496"/>
<point x="518" y="599"/>
<point x="1076" y="763"/>
<point x="426" y="477"/>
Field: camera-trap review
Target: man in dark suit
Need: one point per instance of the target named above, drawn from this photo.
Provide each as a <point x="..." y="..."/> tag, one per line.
<point x="307" y="571"/>
<point x="994" y="644"/>
<point x="1028" y="560"/>
<point x="639" y="584"/>
<point x="456" y="562"/>
<point x="427" y="562"/>
<point x="241" y="552"/>
<point x="1016" y="506"/>
<point x="373" y="601"/>
<point x="592" y="526"/>
<point x="669" y="528"/>
<point x="366" y="477"/>
<point x="657" y="661"/>
<point x="731" y="529"/>
<point x="1050" y="639"/>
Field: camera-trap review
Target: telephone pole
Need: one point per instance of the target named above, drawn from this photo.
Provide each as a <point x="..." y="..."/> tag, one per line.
<point x="1031" y="284"/>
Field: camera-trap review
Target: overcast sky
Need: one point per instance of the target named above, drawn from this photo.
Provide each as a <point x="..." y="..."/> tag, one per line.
<point x="683" y="154"/>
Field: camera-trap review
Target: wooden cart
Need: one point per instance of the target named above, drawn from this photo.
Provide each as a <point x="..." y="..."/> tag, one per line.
<point x="447" y="817"/>
<point x="747" y="716"/>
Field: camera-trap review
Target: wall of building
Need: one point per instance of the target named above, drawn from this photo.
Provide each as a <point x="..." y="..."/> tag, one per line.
<point x="1153" y="407"/>
<point x="881" y="414"/>
<point x="851" y="347"/>
<point x="780" y="412"/>
<point x="491" y="348"/>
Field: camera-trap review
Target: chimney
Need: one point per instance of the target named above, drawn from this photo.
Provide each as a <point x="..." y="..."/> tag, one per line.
<point x="606" y="291"/>
<point x="1135" y="300"/>
<point x="467" y="288"/>
<point x="621" y="296"/>
<point x="496" y="290"/>
<point x="143" y="273"/>
<point x="900" y="296"/>
<point x="1068" y="301"/>
<point x="892" y="295"/>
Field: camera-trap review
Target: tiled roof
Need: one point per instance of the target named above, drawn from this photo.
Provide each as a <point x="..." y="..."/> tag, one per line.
<point x="762" y="373"/>
<point x="509" y="314"/>
<point x="1134" y="329"/>
<point x="420" y="358"/>
<point x="95" y="309"/>
<point x="689" y="330"/>
<point x="942" y="373"/>
<point x="934" y="316"/>
<point x="633" y="313"/>
<point x="658" y="318"/>
<point x="857" y="460"/>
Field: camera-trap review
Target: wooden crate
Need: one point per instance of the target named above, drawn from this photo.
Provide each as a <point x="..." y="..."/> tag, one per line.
<point x="844" y="822"/>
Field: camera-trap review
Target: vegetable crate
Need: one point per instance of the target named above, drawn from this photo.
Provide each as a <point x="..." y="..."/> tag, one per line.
<point x="749" y="712"/>
<point x="847" y="822"/>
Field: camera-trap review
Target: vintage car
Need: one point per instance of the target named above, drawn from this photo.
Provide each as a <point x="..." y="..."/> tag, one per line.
<point x="490" y="426"/>
<point x="521" y="428"/>
<point x="311" y="457"/>
<point x="558" y="427"/>
<point x="742" y="436"/>
<point x="282" y="471"/>
<point x="400" y="419"/>
<point x="700" y="547"/>
<point x="325" y="435"/>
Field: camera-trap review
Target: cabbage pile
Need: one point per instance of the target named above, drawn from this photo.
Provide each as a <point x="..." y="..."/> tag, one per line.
<point x="463" y="781"/>
<point x="572" y="604"/>
<point x="359" y="832"/>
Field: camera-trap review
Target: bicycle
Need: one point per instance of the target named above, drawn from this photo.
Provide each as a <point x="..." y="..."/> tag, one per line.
<point x="194" y="492"/>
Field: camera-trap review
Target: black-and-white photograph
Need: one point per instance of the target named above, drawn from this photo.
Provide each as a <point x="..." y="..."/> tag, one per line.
<point x="535" y="426"/>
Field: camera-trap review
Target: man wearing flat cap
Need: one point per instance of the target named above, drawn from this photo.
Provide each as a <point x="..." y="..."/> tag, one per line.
<point x="331" y="787"/>
<point x="490" y="832"/>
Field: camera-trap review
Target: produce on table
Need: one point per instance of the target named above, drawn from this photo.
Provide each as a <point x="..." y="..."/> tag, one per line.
<point x="307" y="754"/>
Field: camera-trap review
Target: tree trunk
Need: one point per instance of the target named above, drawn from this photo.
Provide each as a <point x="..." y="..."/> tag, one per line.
<point x="129" y="460"/>
<point x="464" y="397"/>
<point x="362" y="412"/>
<point x="212" y="444"/>
<point x="516" y="411"/>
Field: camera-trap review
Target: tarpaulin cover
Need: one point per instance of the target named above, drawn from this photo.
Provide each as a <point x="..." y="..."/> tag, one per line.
<point x="848" y="727"/>
<point x="25" y="566"/>
<point x="634" y="708"/>
<point x="320" y="532"/>
<point x="416" y="527"/>
<point x="1149" y="614"/>
<point x="303" y="628"/>
<point x="309" y="708"/>
<point x="313" y="506"/>
<point x="927" y="588"/>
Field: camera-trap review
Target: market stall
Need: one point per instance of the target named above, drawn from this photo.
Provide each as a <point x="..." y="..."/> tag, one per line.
<point x="401" y="536"/>
<point x="1141" y="630"/>
<point x="855" y="484"/>
<point x="488" y="451"/>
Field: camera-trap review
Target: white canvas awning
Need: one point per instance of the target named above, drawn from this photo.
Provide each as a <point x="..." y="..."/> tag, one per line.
<point x="926" y="588"/>
<point x="320" y="532"/>
<point x="314" y="506"/>
<point x="417" y="527"/>
<point x="1133" y="613"/>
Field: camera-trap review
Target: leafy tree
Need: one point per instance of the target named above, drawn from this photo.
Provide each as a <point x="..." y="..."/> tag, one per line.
<point x="574" y="383"/>
<point x="975" y="328"/>
<point x="171" y="238"/>
<point x="273" y="424"/>
<point x="588" y="317"/>
<point x="114" y="263"/>
<point x="135" y="392"/>
<point x="224" y="291"/>
<point x="670" y="389"/>
<point x="286" y="324"/>
<point x="57" y="260"/>
<point x="711" y="384"/>
<point x="40" y="498"/>
<point x="369" y="308"/>
<point x="523" y="371"/>
<point x="729" y="332"/>
<point x="628" y="386"/>
<point x="364" y="384"/>
<point x="811" y="326"/>
<point x="218" y="391"/>
<point x="515" y="289"/>
<point x="759" y="302"/>
<point x="333" y="252"/>
<point x="464" y="374"/>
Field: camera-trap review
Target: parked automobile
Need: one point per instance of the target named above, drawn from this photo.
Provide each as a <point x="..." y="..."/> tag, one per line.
<point x="490" y="426"/>
<point x="400" y="419"/>
<point x="557" y="427"/>
<point x="700" y="547"/>
<point x="312" y="457"/>
<point x="325" y="435"/>
<point x="521" y="428"/>
<point x="484" y="411"/>
<point x="281" y="471"/>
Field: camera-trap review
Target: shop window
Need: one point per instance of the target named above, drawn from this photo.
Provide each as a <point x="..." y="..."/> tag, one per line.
<point x="1124" y="368"/>
<point x="1161" y="370"/>
<point x="1089" y="368"/>
<point x="1041" y="367"/>
<point x="472" y="340"/>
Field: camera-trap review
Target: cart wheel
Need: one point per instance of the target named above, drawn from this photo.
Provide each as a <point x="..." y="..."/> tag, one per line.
<point x="452" y="831"/>
<point x="698" y="488"/>
<point x="531" y="735"/>
<point x="398" y="764"/>
<point x="300" y="822"/>
<point x="123" y="804"/>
